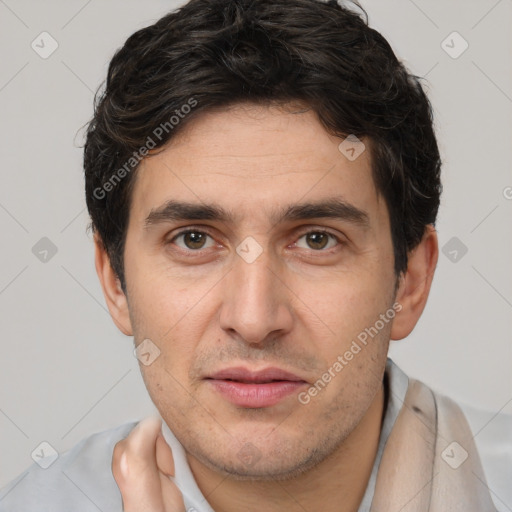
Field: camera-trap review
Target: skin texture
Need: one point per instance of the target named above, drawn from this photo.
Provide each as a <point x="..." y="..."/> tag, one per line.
<point x="141" y="465"/>
<point x="296" y="307"/>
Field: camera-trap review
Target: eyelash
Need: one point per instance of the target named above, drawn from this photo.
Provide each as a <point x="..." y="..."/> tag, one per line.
<point x="300" y="235"/>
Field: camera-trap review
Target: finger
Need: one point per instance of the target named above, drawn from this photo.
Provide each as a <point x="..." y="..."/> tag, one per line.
<point x="172" y="496"/>
<point x="135" y="470"/>
<point x="164" y="458"/>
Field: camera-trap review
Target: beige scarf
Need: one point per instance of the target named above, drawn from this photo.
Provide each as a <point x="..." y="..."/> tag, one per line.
<point x="430" y="462"/>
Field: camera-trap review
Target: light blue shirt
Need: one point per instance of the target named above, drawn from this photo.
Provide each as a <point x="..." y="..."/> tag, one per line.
<point x="81" y="479"/>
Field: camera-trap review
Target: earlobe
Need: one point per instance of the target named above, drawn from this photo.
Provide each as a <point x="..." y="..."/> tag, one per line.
<point x="415" y="283"/>
<point x="112" y="290"/>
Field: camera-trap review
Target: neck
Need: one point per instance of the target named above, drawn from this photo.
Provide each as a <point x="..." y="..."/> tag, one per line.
<point x="337" y="484"/>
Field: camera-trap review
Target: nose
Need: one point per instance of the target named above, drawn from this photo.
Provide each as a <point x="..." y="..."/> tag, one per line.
<point x="256" y="302"/>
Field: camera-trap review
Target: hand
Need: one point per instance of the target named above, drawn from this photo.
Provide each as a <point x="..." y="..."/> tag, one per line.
<point x="141" y="465"/>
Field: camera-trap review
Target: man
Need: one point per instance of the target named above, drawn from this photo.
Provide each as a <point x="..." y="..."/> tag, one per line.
<point x="263" y="181"/>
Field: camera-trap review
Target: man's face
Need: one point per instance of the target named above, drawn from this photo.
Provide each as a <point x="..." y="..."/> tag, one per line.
<point x="210" y="301"/>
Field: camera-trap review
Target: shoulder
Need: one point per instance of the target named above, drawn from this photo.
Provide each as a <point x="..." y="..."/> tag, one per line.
<point x="492" y="433"/>
<point x="80" y="479"/>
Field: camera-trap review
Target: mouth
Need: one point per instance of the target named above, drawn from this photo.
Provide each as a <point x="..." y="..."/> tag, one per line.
<point x="255" y="389"/>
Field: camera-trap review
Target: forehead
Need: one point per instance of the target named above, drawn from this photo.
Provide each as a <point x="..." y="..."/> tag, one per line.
<point x="253" y="161"/>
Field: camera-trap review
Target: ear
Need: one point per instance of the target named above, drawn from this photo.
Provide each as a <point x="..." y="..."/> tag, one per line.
<point x="112" y="291"/>
<point x="414" y="286"/>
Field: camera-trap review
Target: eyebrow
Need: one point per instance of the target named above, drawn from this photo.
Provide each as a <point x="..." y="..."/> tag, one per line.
<point x="333" y="208"/>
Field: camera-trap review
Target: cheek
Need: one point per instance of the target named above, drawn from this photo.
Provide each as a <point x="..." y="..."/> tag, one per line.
<point x="344" y="303"/>
<point x="174" y="327"/>
<point x="162" y="303"/>
<point x="167" y="378"/>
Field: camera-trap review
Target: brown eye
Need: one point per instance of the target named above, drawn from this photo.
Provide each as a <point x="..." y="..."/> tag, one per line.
<point x="318" y="240"/>
<point x="193" y="240"/>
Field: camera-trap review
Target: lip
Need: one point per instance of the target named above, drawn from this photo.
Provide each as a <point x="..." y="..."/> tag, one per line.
<point x="239" y="373"/>
<point x="255" y="389"/>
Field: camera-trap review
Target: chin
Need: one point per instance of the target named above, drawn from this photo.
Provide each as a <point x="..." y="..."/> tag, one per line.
<point x="249" y="463"/>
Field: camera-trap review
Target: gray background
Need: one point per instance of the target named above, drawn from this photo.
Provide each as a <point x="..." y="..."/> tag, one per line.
<point x="65" y="370"/>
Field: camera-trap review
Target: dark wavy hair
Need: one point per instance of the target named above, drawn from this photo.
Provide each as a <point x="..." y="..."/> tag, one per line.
<point x="222" y="52"/>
